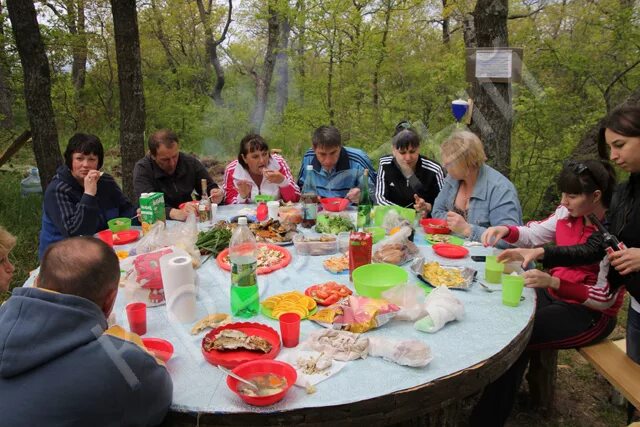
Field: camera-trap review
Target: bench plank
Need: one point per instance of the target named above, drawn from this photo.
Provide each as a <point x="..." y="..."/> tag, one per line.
<point x="613" y="363"/>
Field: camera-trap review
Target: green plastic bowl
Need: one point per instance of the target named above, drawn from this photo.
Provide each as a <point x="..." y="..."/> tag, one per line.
<point x="372" y="280"/>
<point x="380" y="211"/>
<point x="377" y="232"/>
<point x="119" y="224"/>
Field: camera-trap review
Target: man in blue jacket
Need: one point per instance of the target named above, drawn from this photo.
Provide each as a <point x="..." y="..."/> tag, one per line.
<point x="338" y="170"/>
<point x="59" y="364"/>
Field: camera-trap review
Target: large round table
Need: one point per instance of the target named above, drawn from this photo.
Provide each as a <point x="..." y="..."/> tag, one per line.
<point x="468" y="354"/>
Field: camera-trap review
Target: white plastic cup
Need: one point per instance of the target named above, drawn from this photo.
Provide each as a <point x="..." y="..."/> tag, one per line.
<point x="214" y="210"/>
<point x="273" y="207"/>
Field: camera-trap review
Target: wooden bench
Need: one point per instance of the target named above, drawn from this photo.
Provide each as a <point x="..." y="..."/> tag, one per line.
<point x="608" y="358"/>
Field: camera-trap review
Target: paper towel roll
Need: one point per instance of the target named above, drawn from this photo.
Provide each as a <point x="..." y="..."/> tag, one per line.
<point x="178" y="277"/>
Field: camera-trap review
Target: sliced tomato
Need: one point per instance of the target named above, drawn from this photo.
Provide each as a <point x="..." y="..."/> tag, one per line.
<point x="332" y="299"/>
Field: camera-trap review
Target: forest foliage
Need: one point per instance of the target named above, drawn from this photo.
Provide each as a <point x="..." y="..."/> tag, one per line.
<point x="362" y="65"/>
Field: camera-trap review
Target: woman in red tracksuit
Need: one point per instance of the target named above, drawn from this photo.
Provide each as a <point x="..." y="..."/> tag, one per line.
<point x="574" y="306"/>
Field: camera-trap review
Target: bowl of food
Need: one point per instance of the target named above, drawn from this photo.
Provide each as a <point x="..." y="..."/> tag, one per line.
<point x="273" y="379"/>
<point x="371" y="280"/>
<point x="119" y="224"/>
<point x="334" y="204"/>
<point x="435" y="226"/>
<point x="162" y="349"/>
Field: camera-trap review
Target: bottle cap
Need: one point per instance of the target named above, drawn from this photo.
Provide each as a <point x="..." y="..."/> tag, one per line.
<point x="242" y="220"/>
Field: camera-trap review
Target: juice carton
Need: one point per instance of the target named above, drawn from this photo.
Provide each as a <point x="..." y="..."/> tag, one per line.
<point x="151" y="210"/>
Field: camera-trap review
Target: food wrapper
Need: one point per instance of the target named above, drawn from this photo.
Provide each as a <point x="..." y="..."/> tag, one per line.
<point x="312" y="367"/>
<point x="356" y="314"/>
<point x="340" y="345"/>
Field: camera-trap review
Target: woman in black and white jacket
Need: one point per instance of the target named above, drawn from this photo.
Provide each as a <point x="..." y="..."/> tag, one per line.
<point x="406" y="178"/>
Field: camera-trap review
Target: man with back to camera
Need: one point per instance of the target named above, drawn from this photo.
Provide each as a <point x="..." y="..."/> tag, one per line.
<point x="167" y="170"/>
<point x="59" y="364"/>
<point x="338" y="169"/>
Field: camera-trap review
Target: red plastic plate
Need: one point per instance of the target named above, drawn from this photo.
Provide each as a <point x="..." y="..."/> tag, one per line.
<point x="160" y="348"/>
<point x="126" y="236"/>
<point x="262" y="270"/>
<point x="231" y="359"/>
<point x="448" y="250"/>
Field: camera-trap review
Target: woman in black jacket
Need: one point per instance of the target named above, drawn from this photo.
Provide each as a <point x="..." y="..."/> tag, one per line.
<point x="406" y="178"/>
<point x="620" y="133"/>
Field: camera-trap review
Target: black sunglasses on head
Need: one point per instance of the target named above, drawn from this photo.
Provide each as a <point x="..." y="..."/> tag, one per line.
<point x="576" y="167"/>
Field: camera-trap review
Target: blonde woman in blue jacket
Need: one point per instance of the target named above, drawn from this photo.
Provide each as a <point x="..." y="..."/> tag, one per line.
<point x="474" y="195"/>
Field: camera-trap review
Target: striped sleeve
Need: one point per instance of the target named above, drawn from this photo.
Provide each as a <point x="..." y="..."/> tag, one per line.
<point x="380" y="182"/>
<point x="436" y="169"/>
<point x="361" y="158"/>
<point x="230" y="190"/>
<point x="77" y="218"/>
<point x="289" y="190"/>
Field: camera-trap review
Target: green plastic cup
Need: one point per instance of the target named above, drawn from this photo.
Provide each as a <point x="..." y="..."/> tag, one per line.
<point x="512" y="286"/>
<point x="377" y="232"/>
<point x="493" y="270"/>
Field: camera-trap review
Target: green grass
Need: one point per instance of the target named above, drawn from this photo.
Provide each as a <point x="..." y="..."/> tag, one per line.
<point x="21" y="216"/>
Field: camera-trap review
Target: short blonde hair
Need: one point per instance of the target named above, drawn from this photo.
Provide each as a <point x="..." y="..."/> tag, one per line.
<point x="7" y="242"/>
<point x="466" y="147"/>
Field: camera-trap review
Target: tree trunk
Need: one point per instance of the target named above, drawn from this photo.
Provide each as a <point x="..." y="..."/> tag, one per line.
<point x="383" y="53"/>
<point x="79" y="66"/>
<point x="37" y="87"/>
<point x="211" y="46"/>
<point x="300" y="11"/>
<point x="6" y="95"/>
<point x="493" y="110"/>
<point x="162" y="38"/>
<point x="132" y="113"/>
<point x="263" y="80"/>
<point x="446" y="35"/>
<point x="282" y="62"/>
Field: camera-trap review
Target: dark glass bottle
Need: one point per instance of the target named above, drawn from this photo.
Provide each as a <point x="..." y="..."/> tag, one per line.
<point x="611" y="242"/>
<point x="309" y="199"/>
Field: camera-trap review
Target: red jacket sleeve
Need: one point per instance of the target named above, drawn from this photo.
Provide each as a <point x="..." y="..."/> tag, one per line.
<point x="230" y="190"/>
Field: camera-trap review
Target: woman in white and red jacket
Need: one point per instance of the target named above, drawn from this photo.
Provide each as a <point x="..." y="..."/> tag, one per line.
<point x="574" y="304"/>
<point x="258" y="172"/>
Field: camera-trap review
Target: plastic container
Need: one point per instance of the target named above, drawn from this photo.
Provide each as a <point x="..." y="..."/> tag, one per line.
<point x="512" y="285"/>
<point x="321" y="244"/>
<point x="119" y="224"/>
<point x="262" y="367"/>
<point x="434" y="226"/>
<point x="31" y="184"/>
<point x="162" y="349"/>
<point x="493" y="270"/>
<point x="372" y="280"/>
<point x="334" y="204"/>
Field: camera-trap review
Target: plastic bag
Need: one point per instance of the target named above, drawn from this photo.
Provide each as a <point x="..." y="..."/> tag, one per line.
<point x="356" y="314"/>
<point x="411" y="300"/>
<point x="396" y="249"/>
<point x="442" y="307"/>
<point x="408" y="352"/>
<point x="340" y="345"/>
<point x="391" y="219"/>
<point x="182" y="235"/>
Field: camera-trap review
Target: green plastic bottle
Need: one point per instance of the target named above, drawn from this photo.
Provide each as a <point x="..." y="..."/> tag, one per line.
<point x="243" y="252"/>
<point x="365" y="205"/>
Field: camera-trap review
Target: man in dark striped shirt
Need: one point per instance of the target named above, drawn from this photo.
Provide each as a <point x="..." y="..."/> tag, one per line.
<point x="338" y="170"/>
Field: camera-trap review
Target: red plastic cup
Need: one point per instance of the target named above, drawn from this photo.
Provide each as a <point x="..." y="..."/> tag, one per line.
<point x="106" y="236"/>
<point x="290" y="329"/>
<point x="137" y="315"/>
